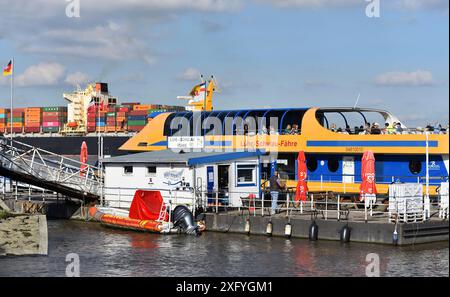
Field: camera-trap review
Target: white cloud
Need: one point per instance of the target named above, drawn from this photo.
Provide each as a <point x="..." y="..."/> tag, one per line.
<point x="43" y="74"/>
<point x="422" y="4"/>
<point x="312" y="3"/>
<point x="110" y="41"/>
<point x="398" y="78"/>
<point x="398" y="4"/>
<point x="77" y="78"/>
<point x="189" y="74"/>
<point x="51" y="7"/>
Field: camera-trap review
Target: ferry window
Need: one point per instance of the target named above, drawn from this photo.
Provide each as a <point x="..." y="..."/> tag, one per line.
<point x="415" y="166"/>
<point x="311" y="163"/>
<point x="142" y="144"/>
<point x="246" y="174"/>
<point x="333" y="165"/>
<point x="151" y="170"/>
<point x="128" y="169"/>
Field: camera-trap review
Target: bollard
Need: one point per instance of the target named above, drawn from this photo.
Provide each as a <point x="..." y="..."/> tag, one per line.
<point x="288" y="230"/>
<point x="269" y="228"/>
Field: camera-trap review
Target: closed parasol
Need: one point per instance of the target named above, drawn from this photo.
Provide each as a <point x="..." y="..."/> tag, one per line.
<point x="368" y="187"/>
<point x="83" y="158"/>
<point x="302" y="186"/>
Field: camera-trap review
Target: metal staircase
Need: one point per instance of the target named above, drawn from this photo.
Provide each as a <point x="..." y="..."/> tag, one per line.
<point x="44" y="169"/>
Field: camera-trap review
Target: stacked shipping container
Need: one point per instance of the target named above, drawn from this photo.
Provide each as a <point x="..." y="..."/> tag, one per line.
<point x="100" y="121"/>
<point x="131" y="116"/>
<point x="110" y="119"/>
<point x="91" y="119"/>
<point x="17" y="120"/>
<point x="32" y="120"/>
<point x="53" y="118"/>
<point x="3" y="114"/>
<point x="121" y="118"/>
<point x="137" y="119"/>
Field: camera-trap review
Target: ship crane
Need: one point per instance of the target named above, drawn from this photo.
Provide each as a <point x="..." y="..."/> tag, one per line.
<point x="77" y="108"/>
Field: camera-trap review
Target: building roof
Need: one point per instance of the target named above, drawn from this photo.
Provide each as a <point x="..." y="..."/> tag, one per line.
<point x="189" y="158"/>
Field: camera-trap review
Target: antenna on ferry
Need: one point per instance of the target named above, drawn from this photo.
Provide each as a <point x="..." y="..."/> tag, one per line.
<point x="217" y="88"/>
<point x="357" y="99"/>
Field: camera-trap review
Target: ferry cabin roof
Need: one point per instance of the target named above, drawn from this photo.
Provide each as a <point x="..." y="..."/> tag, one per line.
<point x="235" y="128"/>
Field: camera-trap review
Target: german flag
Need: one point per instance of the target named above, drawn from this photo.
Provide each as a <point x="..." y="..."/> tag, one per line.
<point x="8" y="69"/>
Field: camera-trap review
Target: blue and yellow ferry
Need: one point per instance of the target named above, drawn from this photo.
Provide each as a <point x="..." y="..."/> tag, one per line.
<point x="333" y="157"/>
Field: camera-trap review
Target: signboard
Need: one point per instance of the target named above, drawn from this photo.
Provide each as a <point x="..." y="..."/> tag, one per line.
<point x="186" y="142"/>
<point x="173" y="177"/>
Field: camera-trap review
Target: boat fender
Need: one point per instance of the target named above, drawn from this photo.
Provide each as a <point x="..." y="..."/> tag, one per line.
<point x="288" y="230"/>
<point x="395" y="237"/>
<point x="345" y="234"/>
<point x="247" y="226"/>
<point x="269" y="228"/>
<point x="313" y="231"/>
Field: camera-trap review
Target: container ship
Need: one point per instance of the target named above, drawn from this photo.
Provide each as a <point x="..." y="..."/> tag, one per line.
<point x="89" y="114"/>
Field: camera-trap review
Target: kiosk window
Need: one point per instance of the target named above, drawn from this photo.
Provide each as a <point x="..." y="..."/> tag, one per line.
<point x="246" y="175"/>
<point x="151" y="170"/>
<point x="128" y="169"/>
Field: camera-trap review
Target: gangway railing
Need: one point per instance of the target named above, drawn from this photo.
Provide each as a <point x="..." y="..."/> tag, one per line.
<point x="42" y="168"/>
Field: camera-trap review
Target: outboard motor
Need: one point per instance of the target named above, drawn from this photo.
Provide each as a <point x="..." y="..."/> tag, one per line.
<point x="183" y="218"/>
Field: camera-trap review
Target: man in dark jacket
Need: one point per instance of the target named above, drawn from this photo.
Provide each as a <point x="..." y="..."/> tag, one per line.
<point x="275" y="187"/>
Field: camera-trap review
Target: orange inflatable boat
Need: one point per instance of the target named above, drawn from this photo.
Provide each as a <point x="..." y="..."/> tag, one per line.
<point x="148" y="213"/>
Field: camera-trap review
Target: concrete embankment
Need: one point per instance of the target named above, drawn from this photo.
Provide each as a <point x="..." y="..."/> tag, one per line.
<point x="360" y="231"/>
<point x="23" y="235"/>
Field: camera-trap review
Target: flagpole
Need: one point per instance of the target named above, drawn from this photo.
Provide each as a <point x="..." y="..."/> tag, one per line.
<point x="13" y="66"/>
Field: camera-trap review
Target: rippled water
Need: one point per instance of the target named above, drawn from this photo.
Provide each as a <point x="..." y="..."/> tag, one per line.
<point x="111" y="252"/>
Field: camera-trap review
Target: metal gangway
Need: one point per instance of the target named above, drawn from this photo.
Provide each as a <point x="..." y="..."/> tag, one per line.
<point x="34" y="166"/>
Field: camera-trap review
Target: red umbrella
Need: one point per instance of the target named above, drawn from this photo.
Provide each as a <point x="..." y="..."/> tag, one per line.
<point x="367" y="175"/>
<point x="83" y="158"/>
<point x="302" y="187"/>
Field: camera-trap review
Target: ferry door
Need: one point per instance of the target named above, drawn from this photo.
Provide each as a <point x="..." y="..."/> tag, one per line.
<point x="348" y="169"/>
<point x="210" y="181"/>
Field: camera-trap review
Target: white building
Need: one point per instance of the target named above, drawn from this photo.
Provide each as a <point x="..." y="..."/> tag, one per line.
<point x="181" y="177"/>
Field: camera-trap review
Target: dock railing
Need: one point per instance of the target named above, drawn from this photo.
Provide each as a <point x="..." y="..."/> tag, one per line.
<point x="326" y="205"/>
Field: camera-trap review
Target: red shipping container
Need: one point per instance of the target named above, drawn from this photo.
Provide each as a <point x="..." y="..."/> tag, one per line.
<point x="135" y="128"/>
<point x="137" y="112"/>
<point x="32" y="124"/>
<point x="32" y="129"/>
<point x="52" y="119"/>
<point x="52" y="113"/>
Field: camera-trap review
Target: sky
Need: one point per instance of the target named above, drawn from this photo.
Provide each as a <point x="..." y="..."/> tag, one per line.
<point x="263" y="53"/>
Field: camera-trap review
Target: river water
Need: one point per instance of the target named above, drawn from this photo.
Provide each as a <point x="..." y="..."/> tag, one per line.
<point x="109" y="252"/>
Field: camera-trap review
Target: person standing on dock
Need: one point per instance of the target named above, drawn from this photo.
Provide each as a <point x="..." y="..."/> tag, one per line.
<point x="275" y="187"/>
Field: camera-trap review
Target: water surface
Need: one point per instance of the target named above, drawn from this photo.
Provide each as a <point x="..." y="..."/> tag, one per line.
<point x="111" y="252"/>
